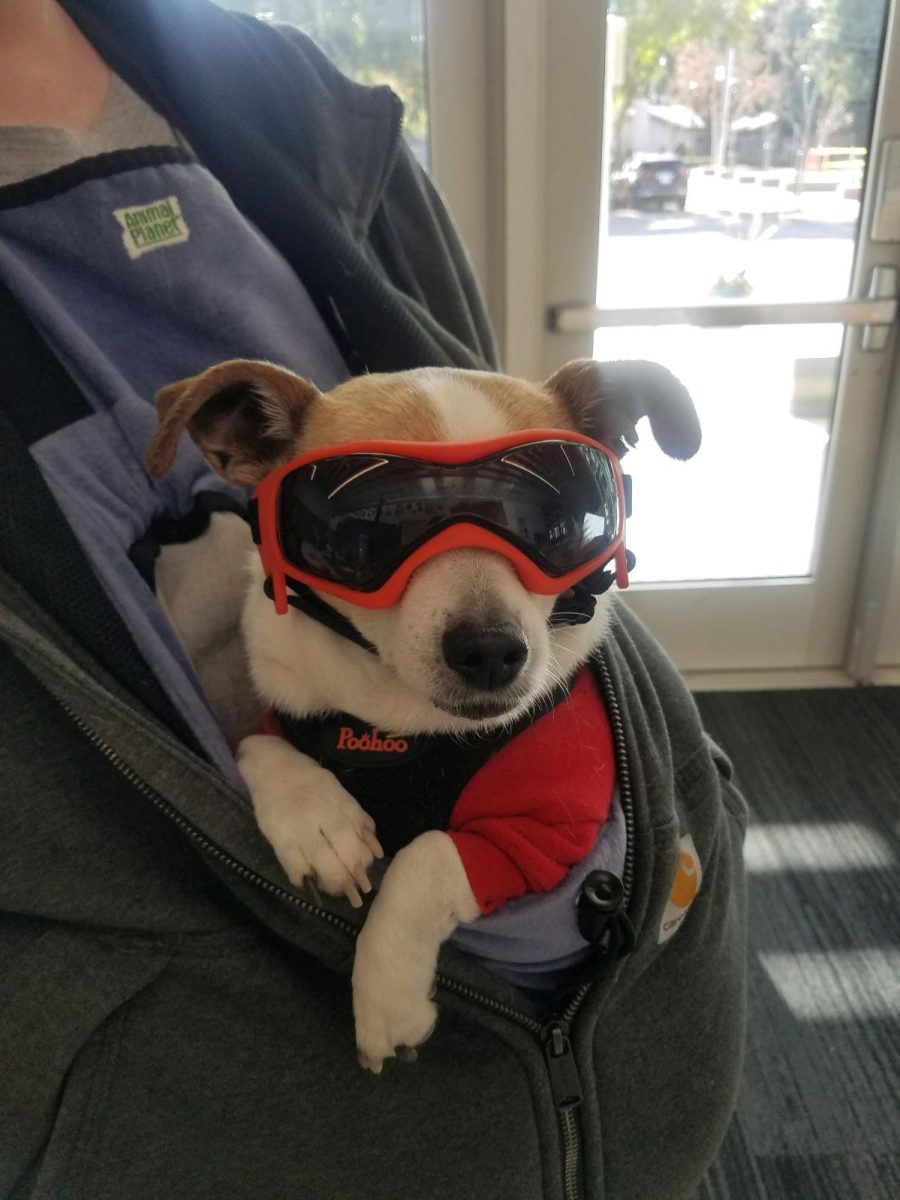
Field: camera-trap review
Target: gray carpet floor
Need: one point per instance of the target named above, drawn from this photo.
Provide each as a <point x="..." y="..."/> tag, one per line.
<point x="819" y="1114"/>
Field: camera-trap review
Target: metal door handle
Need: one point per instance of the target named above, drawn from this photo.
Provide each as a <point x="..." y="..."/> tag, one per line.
<point x="882" y="284"/>
<point x="878" y="312"/>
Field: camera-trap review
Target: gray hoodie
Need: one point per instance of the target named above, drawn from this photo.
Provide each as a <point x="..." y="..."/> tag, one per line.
<point x="176" y="1020"/>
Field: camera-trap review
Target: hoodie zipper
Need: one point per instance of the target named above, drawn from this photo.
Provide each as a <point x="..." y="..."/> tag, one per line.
<point x="565" y="1083"/>
<point x="554" y="1034"/>
<point x="194" y="834"/>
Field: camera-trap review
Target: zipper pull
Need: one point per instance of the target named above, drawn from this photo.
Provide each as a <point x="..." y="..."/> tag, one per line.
<point x="564" y="1081"/>
<point x="601" y="917"/>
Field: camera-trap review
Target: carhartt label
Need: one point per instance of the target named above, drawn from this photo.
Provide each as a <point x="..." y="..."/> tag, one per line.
<point x="149" y="226"/>
<point x="686" y="885"/>
<point x="370" y="742"/>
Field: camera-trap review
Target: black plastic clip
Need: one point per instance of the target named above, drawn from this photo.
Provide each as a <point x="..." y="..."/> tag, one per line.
<point x="601" y="917"/>
<point x="253" y="518"/>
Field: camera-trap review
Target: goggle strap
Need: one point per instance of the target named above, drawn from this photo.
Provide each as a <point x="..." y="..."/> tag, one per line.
<point x="575" y="608"/>
<point x="306" y="600"/>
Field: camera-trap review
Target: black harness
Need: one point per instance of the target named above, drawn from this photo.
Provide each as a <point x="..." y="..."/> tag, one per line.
<point x="389" y="775"/>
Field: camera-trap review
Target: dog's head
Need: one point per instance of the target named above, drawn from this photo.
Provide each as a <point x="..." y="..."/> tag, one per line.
<point x="466" y="639"/>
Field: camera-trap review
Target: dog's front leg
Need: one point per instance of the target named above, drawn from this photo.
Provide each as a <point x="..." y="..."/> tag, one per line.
<point x="316" y="828"/>
<point x="424" y="895"/>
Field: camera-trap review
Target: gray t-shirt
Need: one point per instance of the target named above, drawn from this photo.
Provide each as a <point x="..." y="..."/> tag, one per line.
<point x="125" y="121"/>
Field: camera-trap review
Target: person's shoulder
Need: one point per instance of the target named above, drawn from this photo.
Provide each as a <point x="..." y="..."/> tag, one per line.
<point x="244" y="34"/>
<point x="295" y="34"/>
<point x="302" y="43"/>
<point x="318" y="62"/>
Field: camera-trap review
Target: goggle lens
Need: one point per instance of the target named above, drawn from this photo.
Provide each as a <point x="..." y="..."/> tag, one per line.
<point x="353" y="519"/>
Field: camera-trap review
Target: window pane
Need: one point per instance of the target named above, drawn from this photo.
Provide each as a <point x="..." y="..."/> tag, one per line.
<point x="736" y="147"/>
<point x="745" y="507"/>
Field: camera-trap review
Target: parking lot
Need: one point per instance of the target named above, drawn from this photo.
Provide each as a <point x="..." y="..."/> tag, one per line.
<point x="791" y="248"/>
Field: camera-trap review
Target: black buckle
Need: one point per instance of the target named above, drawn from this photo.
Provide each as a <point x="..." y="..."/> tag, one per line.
<point x="253" y="518"/>
<point x="601" y="917"/>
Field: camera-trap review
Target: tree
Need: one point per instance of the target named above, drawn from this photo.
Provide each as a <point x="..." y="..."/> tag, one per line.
<point x="656" y="29"/>
<point x="812" y="62"/>
<point x="825" y="55"/>
<point x="695" y="83"/>
<point x="846" y="42"/>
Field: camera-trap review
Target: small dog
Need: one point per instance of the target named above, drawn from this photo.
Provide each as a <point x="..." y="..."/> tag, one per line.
<point x="459" y="626"/>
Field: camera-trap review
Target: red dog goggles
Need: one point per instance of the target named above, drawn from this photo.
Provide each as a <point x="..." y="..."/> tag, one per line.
<point x="356" y="520"/>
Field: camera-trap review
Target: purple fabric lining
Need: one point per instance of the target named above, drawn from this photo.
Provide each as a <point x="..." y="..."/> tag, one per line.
<point x="124" y="326"/>
<point x="533" y="942"/>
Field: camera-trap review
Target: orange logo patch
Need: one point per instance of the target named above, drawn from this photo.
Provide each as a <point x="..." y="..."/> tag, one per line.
<point x="684" y="889"/>
<point x="370" y="742"/>
<point x="685" y="886"/>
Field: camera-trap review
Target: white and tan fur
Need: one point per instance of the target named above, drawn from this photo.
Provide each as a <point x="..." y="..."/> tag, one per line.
<point x="247" y="418"/>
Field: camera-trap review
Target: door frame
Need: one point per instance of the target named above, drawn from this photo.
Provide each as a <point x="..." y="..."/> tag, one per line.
<point x="535" y="232"/>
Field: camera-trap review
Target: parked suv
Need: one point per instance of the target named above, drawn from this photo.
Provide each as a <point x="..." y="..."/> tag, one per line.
<point x="650" y="181"/>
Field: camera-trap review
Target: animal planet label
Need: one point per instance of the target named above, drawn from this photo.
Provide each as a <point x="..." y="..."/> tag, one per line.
<point x="150" y="226"/>
<point x="685" y="886"/>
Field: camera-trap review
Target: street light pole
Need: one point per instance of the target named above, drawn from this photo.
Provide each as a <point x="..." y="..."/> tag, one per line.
<point x="810" y="97"/>
<point x="722" y="151"/>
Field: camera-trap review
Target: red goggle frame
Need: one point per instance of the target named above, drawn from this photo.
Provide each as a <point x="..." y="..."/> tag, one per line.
<point x="462" y="533"/>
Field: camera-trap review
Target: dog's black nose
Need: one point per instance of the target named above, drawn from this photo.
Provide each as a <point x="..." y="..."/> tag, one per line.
<point x="489" y="658"/>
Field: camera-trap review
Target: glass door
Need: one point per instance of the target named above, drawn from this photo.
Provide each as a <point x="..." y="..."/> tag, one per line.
<point x="747" y="232"/>
<point x="717" y="187"/>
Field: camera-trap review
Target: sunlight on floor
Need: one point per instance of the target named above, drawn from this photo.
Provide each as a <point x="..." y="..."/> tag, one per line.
<point x="842" y="985"/>
<point x="831" y="846"/>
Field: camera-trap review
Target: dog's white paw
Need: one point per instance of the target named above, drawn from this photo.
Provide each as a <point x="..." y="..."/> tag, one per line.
<point x="322" y="835"/>
<point x="393" y="986"/>
<point x="316" y="828"/>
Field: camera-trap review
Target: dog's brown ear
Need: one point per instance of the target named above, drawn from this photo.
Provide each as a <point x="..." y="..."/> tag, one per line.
<point x="606" y="401"/>
<point x="245" y="416"/>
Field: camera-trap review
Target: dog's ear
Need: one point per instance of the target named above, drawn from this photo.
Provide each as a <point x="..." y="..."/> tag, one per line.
<point x="606" y="401"/>
<point x="245" y="416"/>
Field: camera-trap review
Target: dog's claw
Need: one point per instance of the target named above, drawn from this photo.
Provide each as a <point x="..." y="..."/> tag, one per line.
<point x="370" y="1064"/>
<point x="310" y="888"/>
<point x="361" y="878"/>
<point x="407" y="1054"/>
<point x="368" y="836"/>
